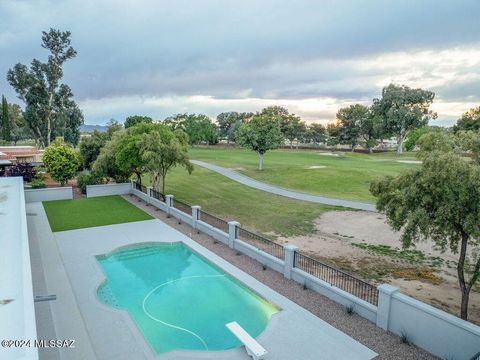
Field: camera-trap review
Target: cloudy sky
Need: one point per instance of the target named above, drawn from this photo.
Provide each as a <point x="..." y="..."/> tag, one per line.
<point x="156" y="58"/>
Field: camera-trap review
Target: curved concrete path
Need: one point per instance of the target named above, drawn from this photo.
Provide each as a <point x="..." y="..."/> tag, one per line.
<point x="245" y="180"/>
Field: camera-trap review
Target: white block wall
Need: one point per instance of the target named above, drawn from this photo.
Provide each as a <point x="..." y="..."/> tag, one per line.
<point x="432" y="329"/>
<point x="108" y="189"/>
<point x="48" y="194"/>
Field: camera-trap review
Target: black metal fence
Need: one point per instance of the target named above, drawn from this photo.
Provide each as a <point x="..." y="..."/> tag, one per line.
<point x="264" y="244"/>
<point x="140" y="187"/>
<point x="214" y="221"/>
<point x="157" y="195"/>
<point x="336" y="277"/>
<point x="182" y="206"/>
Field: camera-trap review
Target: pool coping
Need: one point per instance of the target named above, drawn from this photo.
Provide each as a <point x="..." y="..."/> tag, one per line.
<point x="71" y="241"/>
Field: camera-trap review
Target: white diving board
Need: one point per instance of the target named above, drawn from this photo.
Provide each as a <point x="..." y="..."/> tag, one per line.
<point x="254" y="349"/>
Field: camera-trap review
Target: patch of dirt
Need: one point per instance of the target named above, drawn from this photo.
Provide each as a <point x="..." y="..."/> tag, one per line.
<point x="317" y="167"/>
<point x="351" y="240"/>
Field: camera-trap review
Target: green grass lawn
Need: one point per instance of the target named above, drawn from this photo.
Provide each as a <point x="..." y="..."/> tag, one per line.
<point x="256" y="210"/>
<point x="82" y="213"/>
<point x="344" y="177"/>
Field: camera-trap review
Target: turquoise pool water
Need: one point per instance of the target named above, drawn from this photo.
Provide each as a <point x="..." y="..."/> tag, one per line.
<point x="178" y="299"/>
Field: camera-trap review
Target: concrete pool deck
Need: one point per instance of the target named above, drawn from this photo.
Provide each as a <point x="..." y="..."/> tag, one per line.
<point x="294" y="333"/>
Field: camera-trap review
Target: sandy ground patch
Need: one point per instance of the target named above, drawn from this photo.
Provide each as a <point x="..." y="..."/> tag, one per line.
<point x="338" y="230"/>
<point x="317" y="167"/>
<point x="409" y="161"/>
<point x="328" y="154"/>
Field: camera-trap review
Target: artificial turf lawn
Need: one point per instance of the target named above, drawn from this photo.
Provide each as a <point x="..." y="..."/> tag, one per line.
<point x="82" y="213"/>
<point x="343" y="177"/>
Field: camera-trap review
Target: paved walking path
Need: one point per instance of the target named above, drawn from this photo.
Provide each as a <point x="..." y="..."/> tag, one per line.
<point x="245" y="180"/>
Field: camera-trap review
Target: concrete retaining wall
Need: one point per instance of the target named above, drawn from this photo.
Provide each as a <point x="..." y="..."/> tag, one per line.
<point x="213" y="232"/>
<point x="158" y="204"/>
<point x="360" y="307"/>
<point x="141" y="195"/>
<point x="434" y="330"/>
<point x="48" y="194"/>
<point x="180" y="215"/>
<point x="262" y="257"/>
<point x="108" y="189"/>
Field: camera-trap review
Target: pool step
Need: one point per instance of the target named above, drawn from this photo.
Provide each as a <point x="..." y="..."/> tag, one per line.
<point x="106" y="295"/>
<point x="133" y="253"/>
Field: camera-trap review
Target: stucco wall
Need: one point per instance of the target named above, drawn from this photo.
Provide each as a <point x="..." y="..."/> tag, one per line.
<point x="48" y="194"/>
<point x="108" y="189"/>
<point x="434" y="330"/>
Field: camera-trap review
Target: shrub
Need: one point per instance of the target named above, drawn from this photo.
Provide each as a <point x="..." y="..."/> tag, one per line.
<point x="88" y="178"/>
<point x="37" y="184"/>
<point x="61" y="161"/>
<point x="25" y="170"/>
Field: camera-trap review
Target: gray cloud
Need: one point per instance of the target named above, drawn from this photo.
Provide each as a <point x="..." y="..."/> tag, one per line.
<point x="246" y="49"/>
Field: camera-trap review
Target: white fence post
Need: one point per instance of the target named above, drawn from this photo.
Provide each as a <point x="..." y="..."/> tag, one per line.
<point x="232" y="233"/>
<point x="133" y="184"/>
<point x="169" y="202"/>
<point x="289" y="260"/>
<point x="195" y="215"/>
<point x="385" y="292"/>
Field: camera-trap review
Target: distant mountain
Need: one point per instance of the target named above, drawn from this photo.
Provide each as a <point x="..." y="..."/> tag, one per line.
<point x="91" y="128"/>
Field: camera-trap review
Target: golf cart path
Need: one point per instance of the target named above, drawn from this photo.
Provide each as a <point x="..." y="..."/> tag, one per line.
<point x="245" y="180"/>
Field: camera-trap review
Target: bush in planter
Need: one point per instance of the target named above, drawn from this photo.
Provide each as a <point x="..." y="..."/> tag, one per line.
<point x="37" y="184"/>
<point x="88" y="178"/>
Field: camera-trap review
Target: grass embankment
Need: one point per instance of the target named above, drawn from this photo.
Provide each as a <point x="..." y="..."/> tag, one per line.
<point x="256" y="210"/>
<point x="346" y="176"/>
<point x="82" y="213"/>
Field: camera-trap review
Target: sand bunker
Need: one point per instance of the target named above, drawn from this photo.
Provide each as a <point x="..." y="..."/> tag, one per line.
<point x="328" y="154"/>
<point x="317" y="167"/>
<point x="409" y="161"/>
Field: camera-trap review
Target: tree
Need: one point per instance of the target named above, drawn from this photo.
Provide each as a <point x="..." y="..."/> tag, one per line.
<point x="293" y="128"/>
<point x="61" y="161"/>
<point x="404" y="109"/>
<point x="229" y="122"/>
<point x="349" y="120"/>
<point x="290" y="125"/>
<point x="440" y="201"/>
<point x="371" y="129"/>
<point x="162" y="149"/>
<point x="106" y="164"/>
<point x="90" y="147"/>
<point x="136" y="119"/>
<point x="6" y="122"/>
<point x="416" y="134"/>
<point x="260" y="134"/>
<point x="470" y="120"/>
<point x="317" y="133"/>
<point x="333" y="132"/>
<point x="199" y="128"/>
<point x="128" y="155"/>
<point x="121" y="157"/>
<point x="50" y="110"/>
<point x="112" y="127"/>
<point x="20" y="130"/>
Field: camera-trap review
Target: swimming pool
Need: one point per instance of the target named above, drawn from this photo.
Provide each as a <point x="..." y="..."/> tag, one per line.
<point x="178" y="299"/>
